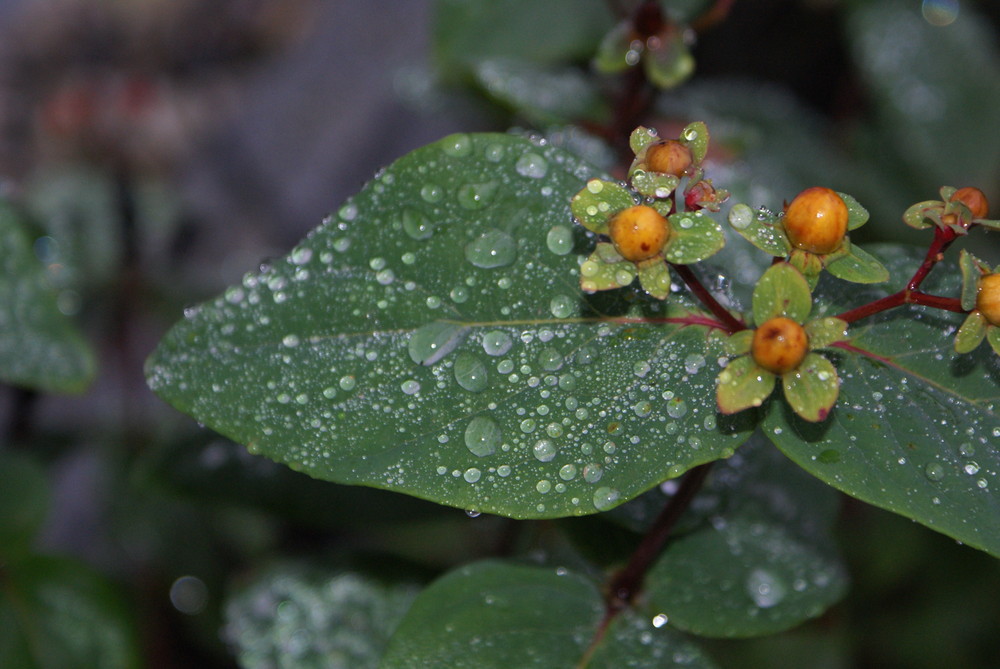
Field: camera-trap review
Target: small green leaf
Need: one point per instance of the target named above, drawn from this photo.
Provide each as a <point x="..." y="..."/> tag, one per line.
<point x="694" y="236"/>
<point x="743" y="384"/>
<point x="988" y="223"/>
<point x="24" y="502"/>
<point x="811" y="389"/>
<point x="781" y="291"/>
<point x="612" y="53"/>
<point x="641" y="138"/>
<point x="695" y="136"/>
<point x="655" y="278"/>
<point x="923" y="214"/>
<point x="993" y="337"/>
<point x="492" y="614"/>
<point x="654" y="184"/>
<point x="602" y="272"/>
<point x="314" y="617"/>
<point x="668" y="62"/>
<point x="742" y="577"/>
<point x="856" y="214"/>
<point x="739" y="342"/>
<point x="761" y="228"/>
<point x="598" y="203"/>
<point x="972" y="271"/>
<point x="825" y="331"/>
<point x="971" y="334"/>
<point x="40" y="347"/>
<point x="858" y="266"/>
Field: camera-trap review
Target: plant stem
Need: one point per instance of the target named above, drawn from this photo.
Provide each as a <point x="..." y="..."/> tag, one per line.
<point x="731" y="323"/>
<point x="943" y="238"/>
<point x="628" y="581"/>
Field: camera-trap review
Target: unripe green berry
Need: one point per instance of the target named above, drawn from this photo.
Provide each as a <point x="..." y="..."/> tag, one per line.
<point x="668" y="156"/>
<point x="988" y="298"/>
<point x="816" y="220"/>
<point x="779" y="345"/>
<point x="639" y="232"/>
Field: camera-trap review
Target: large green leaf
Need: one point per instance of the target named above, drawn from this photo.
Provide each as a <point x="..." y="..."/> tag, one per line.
<point x="59" y="614"/>
<point x="916" y="427"/>
<point x="303" y="616"/>
<point x="432" y="339"/>
<point x="492" y="614"/>
<point x="40" y="347"/>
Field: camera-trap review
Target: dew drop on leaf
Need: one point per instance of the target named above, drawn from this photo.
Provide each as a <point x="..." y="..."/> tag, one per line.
<point x="416" y="225"/>
<point x="605" y="498"/>
<point x="477" y="196"/>
<point x="433" y="341"/>
<point x="559" y="240"/>
<point x="497" y="342"/>
<point x="431" y="193"/>
<point x="494" y="248"/>
<point x="544" y="450"/>
<point x="532" y="165"/>
<point x="470" y="373"/>
<point x="482" y="436"/>
<point x="765" y="588"/>
<point x="458" y="145"/>
<point x="934" y="471"/>
<point x="561" y="306"/>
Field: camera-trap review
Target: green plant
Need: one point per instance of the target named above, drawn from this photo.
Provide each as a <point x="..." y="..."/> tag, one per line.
<point x="468" y="330"/>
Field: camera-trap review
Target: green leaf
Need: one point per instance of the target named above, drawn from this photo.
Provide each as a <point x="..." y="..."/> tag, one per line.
<point x="605" y="270"/>
<point x="584" y="399"/>
<point x="57" y="613"/>
<point x="543" y="95"/>
<point x="668" y="63"/>
<point x="40" y="347"/>
<point x="915" y="423"/>
<point x="653" y="184"/>
<point x="640" y="139"/>
<point x="811" y="389"/>
<point x="24" y="502"/>
<point x="856" y="214"/>
<point x="781" y="291"/>
<point x="547" y="33"/>
<point x="739" y="343"/>
<point x="970" y="335"/>
<point x="655" y="278"/>
<point x="308" y="616"/>
<point x="858" y="266"/>
<point x="598" y="203"/>
<point x="971" y="269"/>
<point x="693" y="237"/>
<point x="924" y="214"/>
<point x="695" y="136"/>
<point x="825" y="331"/>
<point x="498" y="615"/>
<point x="761" y="228"/>
<point x="993" y="337"/>
<point x="743" y="384"/>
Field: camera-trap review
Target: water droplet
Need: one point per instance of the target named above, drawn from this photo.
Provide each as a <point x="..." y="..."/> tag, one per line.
<point x="482" y="436"/>
<point x="410" y="387"/>
<point x="550" y="359"/>
<point x="528" y="425"/>
<point x="477" y="196"/>
<point x="458" y="145"/>
<point x="643" y="409"/>
<point x="765" y="589"/>
<point x="543" y="486"/>
<point x="532" y="165"/>
<point x="470" y="373"/>
<point x="934" y="471"/>
<point x="740" y="216"/>
<point x="494" y="248"/>
<point x="554" y="430"/>
<point x="559" y="240"/>
<point x="290" y="341"/>
<point x="459" y="294"/>
<point x="544" y="450"/>
<point x="503" y="471"/>
<point x="971" y="468"/>
<point x="472" y="475"/>
<point x="605" y="498"/>
<point x="562" y="306"/>
<point x="348" y="212"/>
<point x="385" y="277"/>
<point x="568" y="382"/>
<point x="432" y="193"/>
<point x="676" y="407"/>
<point x="567" y="472"/>
<point x="431" y="342"/>
<point x="693" y="363"/>
<point x="416" y="225"/>
<point x="497" y="342"/>
<point x="494" y="153"/>
<point x="593" y="472"/>
<point x="301" y="256"/>
<point x="595" y="186"/>
<point x="348" y="382"/>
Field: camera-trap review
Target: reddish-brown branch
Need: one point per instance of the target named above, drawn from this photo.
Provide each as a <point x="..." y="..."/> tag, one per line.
<point x="731" y="323"/>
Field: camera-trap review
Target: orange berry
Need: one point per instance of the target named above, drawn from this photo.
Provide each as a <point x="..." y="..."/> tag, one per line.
<point x="668" y="156"/>
<point x="974" y="199"/>
<point x="779" y="345"/>
<point x="988" y="298"/>
<point x="816" y="220"/>
<point x="639" y="232"/>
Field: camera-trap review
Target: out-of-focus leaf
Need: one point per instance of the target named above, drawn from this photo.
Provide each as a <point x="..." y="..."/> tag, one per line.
<point x="40" y="347"/>
<point x="24" y="501"/>
<point x="543" y="95"/>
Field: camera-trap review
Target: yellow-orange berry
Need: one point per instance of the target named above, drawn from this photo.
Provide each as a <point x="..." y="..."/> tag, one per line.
<point x="779" y="345"/>
<point x="668" y="156"/>
<point x="639" y="232"/>
<point x="816" y="220"/>
<point x="988" y="298"/>
<point x="974" y="199"/>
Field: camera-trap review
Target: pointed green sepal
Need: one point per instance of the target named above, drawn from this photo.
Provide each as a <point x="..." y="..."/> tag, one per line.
<point x="743" y="384"/>
<point x="694" y="236"/>
<point x="856" y="214"/>
<point x="825" y="332"/>
<point x="597" y="203"/>
<point x="655" y="278"/>
<point x="858" y="266"/>
<point x="971" y="334"/>
<point x="605" y="270"/>
<point x="781" y="291"/>
<point x="760" y="228"/>
<point x="811" y="389"/>
<point x="972" y="269"/>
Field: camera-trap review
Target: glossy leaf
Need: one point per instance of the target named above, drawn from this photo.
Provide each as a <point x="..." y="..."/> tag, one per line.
<point x="496" y="615"/>
<point x="811" y="390"/>
<point x="858" y="266"/>
<point x="693" y="238"/>
<point x="597" y="204"/>
<point x="322" y="362"/>
<point x="743" y="384"/>
<point x="40" y="347"/>
<point x="971" y="333"/>
<point x="856" y="214"/>
<point x="543" y="95"/>
<point x="781" y="291"/>
<point x="761" y="228"/>
<point x="915" y="426"/>
<point x="972" y="271"/>
<point x="57" y="613"/>
<point x="307" y="616"/>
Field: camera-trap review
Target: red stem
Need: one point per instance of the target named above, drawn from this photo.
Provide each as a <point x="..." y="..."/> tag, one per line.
<point x="730" y="323"/>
